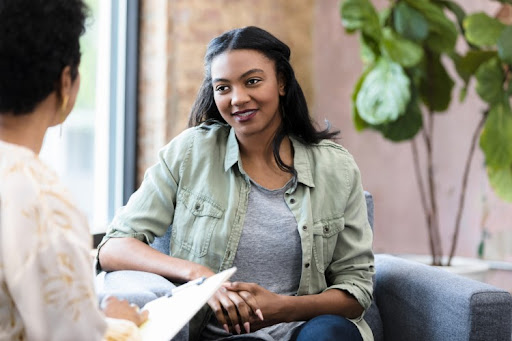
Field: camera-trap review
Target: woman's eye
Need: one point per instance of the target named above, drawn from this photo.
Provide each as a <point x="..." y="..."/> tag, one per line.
<point x="253" y="81"/>
<point x="221" y="88"/>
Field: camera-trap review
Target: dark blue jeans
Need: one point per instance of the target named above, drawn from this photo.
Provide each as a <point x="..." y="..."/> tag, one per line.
<point x="328" y="327"/>
<point x="320" y="328"/>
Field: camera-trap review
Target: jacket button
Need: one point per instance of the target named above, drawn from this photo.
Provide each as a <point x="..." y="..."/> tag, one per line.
<point x="198" y="206"/>
<point x="306" y="265"/>
<point x="304" y="227"/>
<point x="326" y="229"/>
<point x="292" y="201"/>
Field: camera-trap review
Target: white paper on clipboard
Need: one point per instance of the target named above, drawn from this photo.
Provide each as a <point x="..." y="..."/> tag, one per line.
<point x="167" y="315"/>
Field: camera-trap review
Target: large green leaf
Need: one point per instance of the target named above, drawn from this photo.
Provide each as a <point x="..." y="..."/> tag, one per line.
<point x="455" y="9"/>
<point x="442" y="31"/>
<point x="505" y="45"/>
<point x="359" y="123"/>
<point x="405" y="127"/>
<point x="385" y="16"/>
<point x="402" y="51"/>
<point x="370" y="50"/>
<point x="409" y="22"/>
<point x="384" y="93"/>
<point x="436" y="85"/>
<point x="489" y="81"/>
<point x="496" y="137"/>
<point x="482" y="30"/>
<point x="417" y="73"/>
<point x="466" y="66"/>
<point x="501" y="181"/>
<point x="360" y="15"/>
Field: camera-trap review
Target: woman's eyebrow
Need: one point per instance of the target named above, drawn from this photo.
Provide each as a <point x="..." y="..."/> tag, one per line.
<point x="245" y="74"/>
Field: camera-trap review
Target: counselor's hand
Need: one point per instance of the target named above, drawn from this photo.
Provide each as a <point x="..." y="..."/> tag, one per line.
<point x="122" y="309"/>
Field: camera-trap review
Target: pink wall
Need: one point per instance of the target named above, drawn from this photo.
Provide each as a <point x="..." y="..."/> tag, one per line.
<point x="387" y="168"/>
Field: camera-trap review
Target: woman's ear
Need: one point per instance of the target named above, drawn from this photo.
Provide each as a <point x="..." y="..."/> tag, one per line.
<point x="67" y="90"/>
<point x="281" y="84"/>
<point x="65" y="83"/>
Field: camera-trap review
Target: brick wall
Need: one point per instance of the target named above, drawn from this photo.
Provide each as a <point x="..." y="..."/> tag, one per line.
<point x="174" y="34"/>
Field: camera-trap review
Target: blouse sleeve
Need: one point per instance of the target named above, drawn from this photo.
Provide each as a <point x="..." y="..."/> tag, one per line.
<point x="47" y="264"/>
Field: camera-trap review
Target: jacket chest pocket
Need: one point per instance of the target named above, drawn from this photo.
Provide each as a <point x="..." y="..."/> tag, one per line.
<point x="325" y="236"/>
<point x="195" y="219"/>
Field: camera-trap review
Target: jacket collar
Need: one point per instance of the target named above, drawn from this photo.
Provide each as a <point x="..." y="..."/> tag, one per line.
<point x="301" y="160"/>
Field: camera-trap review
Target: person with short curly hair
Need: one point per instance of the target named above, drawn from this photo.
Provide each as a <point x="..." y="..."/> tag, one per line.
<point x="42" y="37"/>
<point x="46" y="279"/>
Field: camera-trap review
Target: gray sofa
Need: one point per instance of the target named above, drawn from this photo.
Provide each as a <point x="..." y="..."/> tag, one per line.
<point x="412" y="301"/>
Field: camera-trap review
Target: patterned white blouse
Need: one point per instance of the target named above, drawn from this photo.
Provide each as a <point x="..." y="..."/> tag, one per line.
<point x="46" y="271"/>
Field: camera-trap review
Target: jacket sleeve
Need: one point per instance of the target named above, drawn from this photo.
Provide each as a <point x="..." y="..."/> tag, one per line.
<point x="150" y="210"/>
<point x="352" y="267"/>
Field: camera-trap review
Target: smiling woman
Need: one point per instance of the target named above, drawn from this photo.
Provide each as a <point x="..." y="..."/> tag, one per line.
<point x="253" y="184"/>
<point x="246" y="92"/>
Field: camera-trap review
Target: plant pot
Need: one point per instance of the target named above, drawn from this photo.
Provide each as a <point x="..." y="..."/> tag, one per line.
<point x="468" y="267"/>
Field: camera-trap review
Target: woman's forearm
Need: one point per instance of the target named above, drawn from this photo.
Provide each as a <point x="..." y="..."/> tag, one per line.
<point x="132" y="254"/>
<point x="333" y="301"/>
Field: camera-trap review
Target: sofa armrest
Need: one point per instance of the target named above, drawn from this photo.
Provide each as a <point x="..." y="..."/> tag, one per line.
<point x="421" y="302"/>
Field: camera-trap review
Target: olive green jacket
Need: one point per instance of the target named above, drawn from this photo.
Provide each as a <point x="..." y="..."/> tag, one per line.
<point x="200" y="188"/>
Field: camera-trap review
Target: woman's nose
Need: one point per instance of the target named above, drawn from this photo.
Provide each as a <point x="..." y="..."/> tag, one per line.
<point x="239" y="96"/>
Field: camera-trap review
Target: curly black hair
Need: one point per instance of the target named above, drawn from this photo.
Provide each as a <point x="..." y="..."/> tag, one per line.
<point x="38" y="39"/>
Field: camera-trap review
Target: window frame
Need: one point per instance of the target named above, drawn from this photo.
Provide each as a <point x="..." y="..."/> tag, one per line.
<point x="123" y="106"/>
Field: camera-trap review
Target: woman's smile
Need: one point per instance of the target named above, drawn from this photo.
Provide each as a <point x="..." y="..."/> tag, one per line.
<point x="244" y="115"/>
<point x="247" y="91"/>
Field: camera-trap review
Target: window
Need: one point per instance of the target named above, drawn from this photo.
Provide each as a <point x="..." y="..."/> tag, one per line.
<point x="89" y="151"/>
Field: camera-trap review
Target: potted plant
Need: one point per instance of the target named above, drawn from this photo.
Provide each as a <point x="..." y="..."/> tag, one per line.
<point x="404" y="85"/>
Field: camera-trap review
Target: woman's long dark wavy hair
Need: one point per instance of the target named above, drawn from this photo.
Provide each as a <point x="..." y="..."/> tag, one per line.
<point x="294" y="111"/>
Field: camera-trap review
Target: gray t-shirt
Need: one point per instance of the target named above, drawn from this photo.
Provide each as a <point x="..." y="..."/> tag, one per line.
<point x="269" y="253"/>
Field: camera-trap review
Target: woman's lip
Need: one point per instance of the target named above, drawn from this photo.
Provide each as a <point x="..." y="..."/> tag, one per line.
<point x="243" y="116"/>
<point x="242" y="112"/>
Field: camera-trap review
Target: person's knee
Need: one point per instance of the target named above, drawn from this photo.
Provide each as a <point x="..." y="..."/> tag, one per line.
<point x="135" y="286"/>
<point x="329" y="327"/>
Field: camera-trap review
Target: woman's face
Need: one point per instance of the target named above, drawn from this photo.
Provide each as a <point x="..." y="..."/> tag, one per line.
<point x="246" y="91"/>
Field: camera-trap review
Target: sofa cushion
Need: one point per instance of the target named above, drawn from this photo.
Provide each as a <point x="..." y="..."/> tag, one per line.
<point x="372" y="317"/>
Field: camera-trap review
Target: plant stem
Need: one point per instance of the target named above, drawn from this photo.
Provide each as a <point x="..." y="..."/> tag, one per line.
<point x="428" y="208"/>
<point x="423" y="196"/>
<point x="462" y="197"/>
<point x="434" y="233"/>
<point x="434" y="219"/>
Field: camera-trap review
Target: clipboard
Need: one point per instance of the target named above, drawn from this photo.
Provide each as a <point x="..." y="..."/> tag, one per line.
<point x="169" y="314"/>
